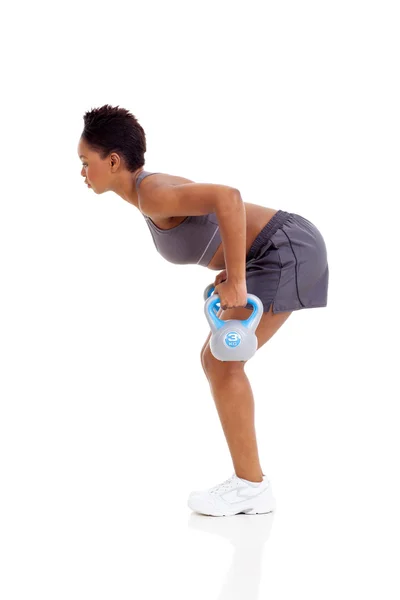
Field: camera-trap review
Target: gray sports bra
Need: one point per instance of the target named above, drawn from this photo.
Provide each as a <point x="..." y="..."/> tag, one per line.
<point x="194" y="241"/>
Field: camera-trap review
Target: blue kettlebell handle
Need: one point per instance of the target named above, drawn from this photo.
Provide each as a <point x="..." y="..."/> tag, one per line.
<point x="217" y="305"/>
<point x="218" y="322"/>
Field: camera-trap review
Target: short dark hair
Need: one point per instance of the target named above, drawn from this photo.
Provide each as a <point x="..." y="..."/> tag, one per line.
<point x="113" y="129"/>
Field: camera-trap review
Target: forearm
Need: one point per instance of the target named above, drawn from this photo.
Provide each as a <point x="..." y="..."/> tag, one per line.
<point x="231" y="215"/>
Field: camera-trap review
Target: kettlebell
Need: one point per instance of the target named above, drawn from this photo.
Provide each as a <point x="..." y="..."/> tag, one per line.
<point x="232" y="339"/>
<point x="207" y="293"/>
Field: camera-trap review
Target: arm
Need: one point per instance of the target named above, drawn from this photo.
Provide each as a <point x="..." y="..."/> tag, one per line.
<point x="201" y="199"/>
<point x="232" y="226"/>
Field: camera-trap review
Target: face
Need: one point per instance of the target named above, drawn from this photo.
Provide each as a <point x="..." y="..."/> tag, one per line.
<point x="94" y="169"/>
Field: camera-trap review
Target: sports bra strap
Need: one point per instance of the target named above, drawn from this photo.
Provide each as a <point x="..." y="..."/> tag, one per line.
<point x="142" y="175"/>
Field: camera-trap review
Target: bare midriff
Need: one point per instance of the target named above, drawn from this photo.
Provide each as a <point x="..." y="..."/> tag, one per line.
<point x="256" y="219"/>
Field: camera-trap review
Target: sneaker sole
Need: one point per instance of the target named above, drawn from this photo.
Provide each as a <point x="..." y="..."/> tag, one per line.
<point x="260" y="505"/>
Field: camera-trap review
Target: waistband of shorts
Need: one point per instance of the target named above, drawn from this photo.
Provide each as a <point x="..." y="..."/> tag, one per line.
<point x="267" y="232"/>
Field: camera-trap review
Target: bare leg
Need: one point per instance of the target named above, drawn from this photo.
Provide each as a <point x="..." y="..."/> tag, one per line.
<point x="234" y="401"/>
<point x="233" y="395"/>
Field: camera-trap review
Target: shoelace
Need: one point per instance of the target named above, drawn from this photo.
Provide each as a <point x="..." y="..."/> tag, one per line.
<point x="223" y="486"/>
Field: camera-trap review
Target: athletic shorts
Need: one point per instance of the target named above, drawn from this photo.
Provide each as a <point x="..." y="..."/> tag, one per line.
<point x="287" y="265"/>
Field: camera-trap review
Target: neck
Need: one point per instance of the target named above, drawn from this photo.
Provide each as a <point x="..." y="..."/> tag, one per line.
<point x="127" y="189"/>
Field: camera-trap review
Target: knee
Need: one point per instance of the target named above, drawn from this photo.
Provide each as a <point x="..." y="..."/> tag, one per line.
<point x="205" y="359"/>
<point x="213" y="366"/>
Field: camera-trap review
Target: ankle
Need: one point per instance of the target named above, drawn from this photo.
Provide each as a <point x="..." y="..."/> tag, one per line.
<point x="249" y="477"/>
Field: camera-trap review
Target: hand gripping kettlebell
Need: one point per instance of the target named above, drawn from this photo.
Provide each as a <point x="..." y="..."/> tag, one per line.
<point x="232" y="339"/>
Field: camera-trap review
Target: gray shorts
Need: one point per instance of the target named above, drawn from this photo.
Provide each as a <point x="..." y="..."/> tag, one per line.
<point x="287" y="265"/>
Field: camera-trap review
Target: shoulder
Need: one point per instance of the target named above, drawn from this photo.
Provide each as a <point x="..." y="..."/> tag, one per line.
<point x="172" y="196"/>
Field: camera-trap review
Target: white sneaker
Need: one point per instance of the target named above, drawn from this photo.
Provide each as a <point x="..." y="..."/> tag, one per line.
<point x="234" y="496"/>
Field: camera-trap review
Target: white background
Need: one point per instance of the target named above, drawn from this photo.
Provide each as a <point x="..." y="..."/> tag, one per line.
<point x="106" y="418"/>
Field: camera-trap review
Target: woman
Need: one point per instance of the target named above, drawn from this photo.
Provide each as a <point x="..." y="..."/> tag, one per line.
<point x="280" y="257"/>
